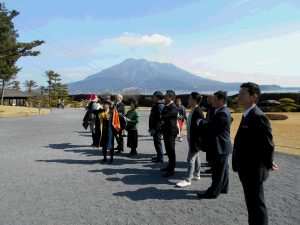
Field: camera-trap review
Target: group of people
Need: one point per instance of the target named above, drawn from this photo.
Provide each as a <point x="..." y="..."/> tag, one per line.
<point x="107" y="121"/>
<point x="253" y="148"/>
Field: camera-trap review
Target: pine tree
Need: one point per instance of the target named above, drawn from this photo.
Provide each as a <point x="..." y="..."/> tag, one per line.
<point x="10" y="49"/>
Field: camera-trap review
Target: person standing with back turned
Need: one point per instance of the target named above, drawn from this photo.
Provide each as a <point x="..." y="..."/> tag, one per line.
<point x="253" y="153"/>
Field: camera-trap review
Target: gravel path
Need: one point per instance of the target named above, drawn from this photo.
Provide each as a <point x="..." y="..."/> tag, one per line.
<point x="49" y="176"/>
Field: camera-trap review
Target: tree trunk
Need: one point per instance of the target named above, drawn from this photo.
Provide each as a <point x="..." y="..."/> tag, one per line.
<point x="2" y="92"/>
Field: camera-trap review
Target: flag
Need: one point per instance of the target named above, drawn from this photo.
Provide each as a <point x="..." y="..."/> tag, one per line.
<point x="116" y="120"/>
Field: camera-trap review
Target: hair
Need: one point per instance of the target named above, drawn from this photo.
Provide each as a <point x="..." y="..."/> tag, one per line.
<point x="196" y="96"/>
<point x="108" y="102"/>
<point x="159" y="95"/>
<point x="171" y="94"/>
<point x="120" y="96"/>
<point x="134" y="103"/>
<point x="221" y="95"/>
<point x="252" y="88"/>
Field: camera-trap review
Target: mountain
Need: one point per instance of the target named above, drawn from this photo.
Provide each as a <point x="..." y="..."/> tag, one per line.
<point x="145" y="75"/>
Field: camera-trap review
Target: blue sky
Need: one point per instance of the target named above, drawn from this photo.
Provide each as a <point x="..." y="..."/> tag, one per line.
<point x="226" y="40"/>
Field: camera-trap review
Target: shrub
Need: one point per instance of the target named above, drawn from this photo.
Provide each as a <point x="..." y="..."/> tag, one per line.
<point x="287" y="100"/>
<point x="276" y="116"/>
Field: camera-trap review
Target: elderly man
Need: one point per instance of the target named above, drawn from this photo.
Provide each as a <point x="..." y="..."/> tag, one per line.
<point x="119" y="105"/>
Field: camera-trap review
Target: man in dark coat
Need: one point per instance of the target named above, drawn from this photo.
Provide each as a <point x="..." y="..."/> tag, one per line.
<point x="219" y="143"/>
<point x="119" y="105"/>
<point x="194" y="141"/>
<point x="155" y="125"/>
<point x="210" y="111"/>
<point x="170" y="130"/>
<point x="253" y="153"/>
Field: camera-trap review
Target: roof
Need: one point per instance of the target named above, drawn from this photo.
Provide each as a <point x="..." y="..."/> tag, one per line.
<point x="11" y="93"/>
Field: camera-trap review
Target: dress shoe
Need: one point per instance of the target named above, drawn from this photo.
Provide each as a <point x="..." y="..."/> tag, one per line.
<point x="119" y="152"/>
<point x="206" y="196"/>
<point x="169" y="174"/>
<point x="104" y="160"/>
<point x="158" y="161"/>
<point x="224" y="192"/>
<point x="154" y="158"/>
<point x="164" y="169"/>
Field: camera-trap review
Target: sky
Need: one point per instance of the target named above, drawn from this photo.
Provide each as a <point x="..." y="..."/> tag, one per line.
<point x="225" y="40"/>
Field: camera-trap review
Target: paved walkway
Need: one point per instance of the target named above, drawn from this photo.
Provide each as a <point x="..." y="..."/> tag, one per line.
<point x="49" y="176"/>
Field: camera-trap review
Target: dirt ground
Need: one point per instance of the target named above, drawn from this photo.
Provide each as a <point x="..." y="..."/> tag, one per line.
<point x="13" y="111"/>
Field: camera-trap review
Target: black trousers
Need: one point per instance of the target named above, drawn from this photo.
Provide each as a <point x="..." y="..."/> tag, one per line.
<point x="157" y="137"/>
<point x="220" y="175"/>
<point x="169" y="141"/>
<point x="104" y="149"/>
<point x="120" y="141"/>
<point x="255" y="199"/>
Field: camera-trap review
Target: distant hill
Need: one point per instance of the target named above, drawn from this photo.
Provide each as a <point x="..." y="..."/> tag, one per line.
<point x="143" y="75"/>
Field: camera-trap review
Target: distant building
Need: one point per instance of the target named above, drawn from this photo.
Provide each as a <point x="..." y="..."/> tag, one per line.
<point x="16" y="98"/>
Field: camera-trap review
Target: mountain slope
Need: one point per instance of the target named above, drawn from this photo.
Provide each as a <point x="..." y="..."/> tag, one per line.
<point x="142" y="74"/>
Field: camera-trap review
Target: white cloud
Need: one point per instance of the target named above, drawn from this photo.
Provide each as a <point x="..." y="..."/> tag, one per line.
<point x="136" y="40"/>
<point x="269" y="57"/>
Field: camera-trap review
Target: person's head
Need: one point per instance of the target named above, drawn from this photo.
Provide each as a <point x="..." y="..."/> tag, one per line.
<point x="119" y="98"/>
<point x="157" y="96"/>
<point x="210" y="99"/>
<point x="170" y="96"/>
<point x="133" y="104"/>
<point x="107" y="104"/>
<point x="194" y="99"/>
<point x="178" y="101"/>
<point x="249" y="94"/>
<point x="220" y="99"/>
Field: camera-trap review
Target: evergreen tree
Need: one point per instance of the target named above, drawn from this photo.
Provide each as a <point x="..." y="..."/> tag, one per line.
<point x="10" y="49"/>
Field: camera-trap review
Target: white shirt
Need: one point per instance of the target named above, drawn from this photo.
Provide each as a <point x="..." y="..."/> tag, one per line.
<point x="246" y="112"/>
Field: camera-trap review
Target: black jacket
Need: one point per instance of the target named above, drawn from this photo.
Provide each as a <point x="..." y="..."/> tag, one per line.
<point x="169" y="120"/>
<point x="195" y="138"/>
<point x="218" y="132"/>
<point x="120" y="107"/>
<point x="253" y="143"/>
<point x="154" y="118"/>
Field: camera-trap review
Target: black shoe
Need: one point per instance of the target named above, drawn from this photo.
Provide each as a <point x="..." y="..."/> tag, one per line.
<point x="169" y="174"/>
<point x="158" y="161"/>
<point x="131" y="154"/>
<point x="111" y="161"/>
<point x="206" y="196"/>
<point x="164" y="169"/>
<point x="104" y="160"/>
<point x="165" y="154"/>
<point x="119" y="151"/>
<point x="154" y="158"/>
<point x="224" y="192"/>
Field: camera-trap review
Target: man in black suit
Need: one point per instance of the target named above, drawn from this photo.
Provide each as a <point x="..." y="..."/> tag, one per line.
<point x="194" y="141"/>
<point x="155" y="125"/>
<point x="119" y="105"/>
<point x="170" y="130"/>
<point x="253" y="153"/>
<point x="219" y="143"/>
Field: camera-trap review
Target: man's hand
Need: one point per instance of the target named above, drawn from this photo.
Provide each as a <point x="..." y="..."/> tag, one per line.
<point x="274" y="167"/>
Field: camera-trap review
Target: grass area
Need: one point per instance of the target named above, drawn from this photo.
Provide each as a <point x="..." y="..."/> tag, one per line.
<point x="285" y="132"/>
<point x="14" y="111"/>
